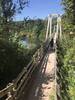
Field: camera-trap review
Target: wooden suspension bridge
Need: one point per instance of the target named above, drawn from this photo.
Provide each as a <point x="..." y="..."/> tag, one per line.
<point x="38" y="79"/>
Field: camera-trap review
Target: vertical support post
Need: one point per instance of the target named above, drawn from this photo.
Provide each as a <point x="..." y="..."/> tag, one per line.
<point x="57" y="25"/>
<point x="9" y="96"/>
<point x="60" y="29"/>
<point x="47" y="29"/>
<point x="50" y="19"/>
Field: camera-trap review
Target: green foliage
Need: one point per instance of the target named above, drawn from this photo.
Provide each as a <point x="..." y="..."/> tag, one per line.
<point x="38" y="30"/>
<point x="66" y="66"/>
<point x="35" y="30"/>
<point x="68" y="18"/>
<point x="69" y="7"/>
<point x="67" y="26"/>
<point x="8" y="8"/>
<point x="13" y="58"/>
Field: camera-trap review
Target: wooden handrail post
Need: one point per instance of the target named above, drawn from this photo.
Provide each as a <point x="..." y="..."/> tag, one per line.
<point x="9" y="94"/>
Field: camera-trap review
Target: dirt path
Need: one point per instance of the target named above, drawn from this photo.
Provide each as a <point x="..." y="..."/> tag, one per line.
<point x="43" y="84"/>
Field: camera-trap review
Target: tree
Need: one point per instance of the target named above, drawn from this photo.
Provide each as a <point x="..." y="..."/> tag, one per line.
<point x="38" y="28"/>
<point x="8" y="9"/>
<point x="69" y="7"/>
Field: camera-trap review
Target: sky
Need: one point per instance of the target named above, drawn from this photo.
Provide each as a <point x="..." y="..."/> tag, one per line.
<point x="40" y="9"/>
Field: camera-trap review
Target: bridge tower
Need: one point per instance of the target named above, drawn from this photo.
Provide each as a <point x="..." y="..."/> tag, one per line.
<point x="56" y="29"/>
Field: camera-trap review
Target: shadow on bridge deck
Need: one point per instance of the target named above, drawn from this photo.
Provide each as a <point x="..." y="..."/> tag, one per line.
<point x="42" y="80"/>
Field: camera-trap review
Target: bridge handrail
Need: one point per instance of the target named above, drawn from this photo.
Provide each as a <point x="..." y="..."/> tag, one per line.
<point x="23" y="77"/>
<point x="6" y="90"/>
<point x="18" y="84"/>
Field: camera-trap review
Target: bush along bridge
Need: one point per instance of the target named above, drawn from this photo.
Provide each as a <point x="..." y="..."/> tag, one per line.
<point x="44" y="64"/>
